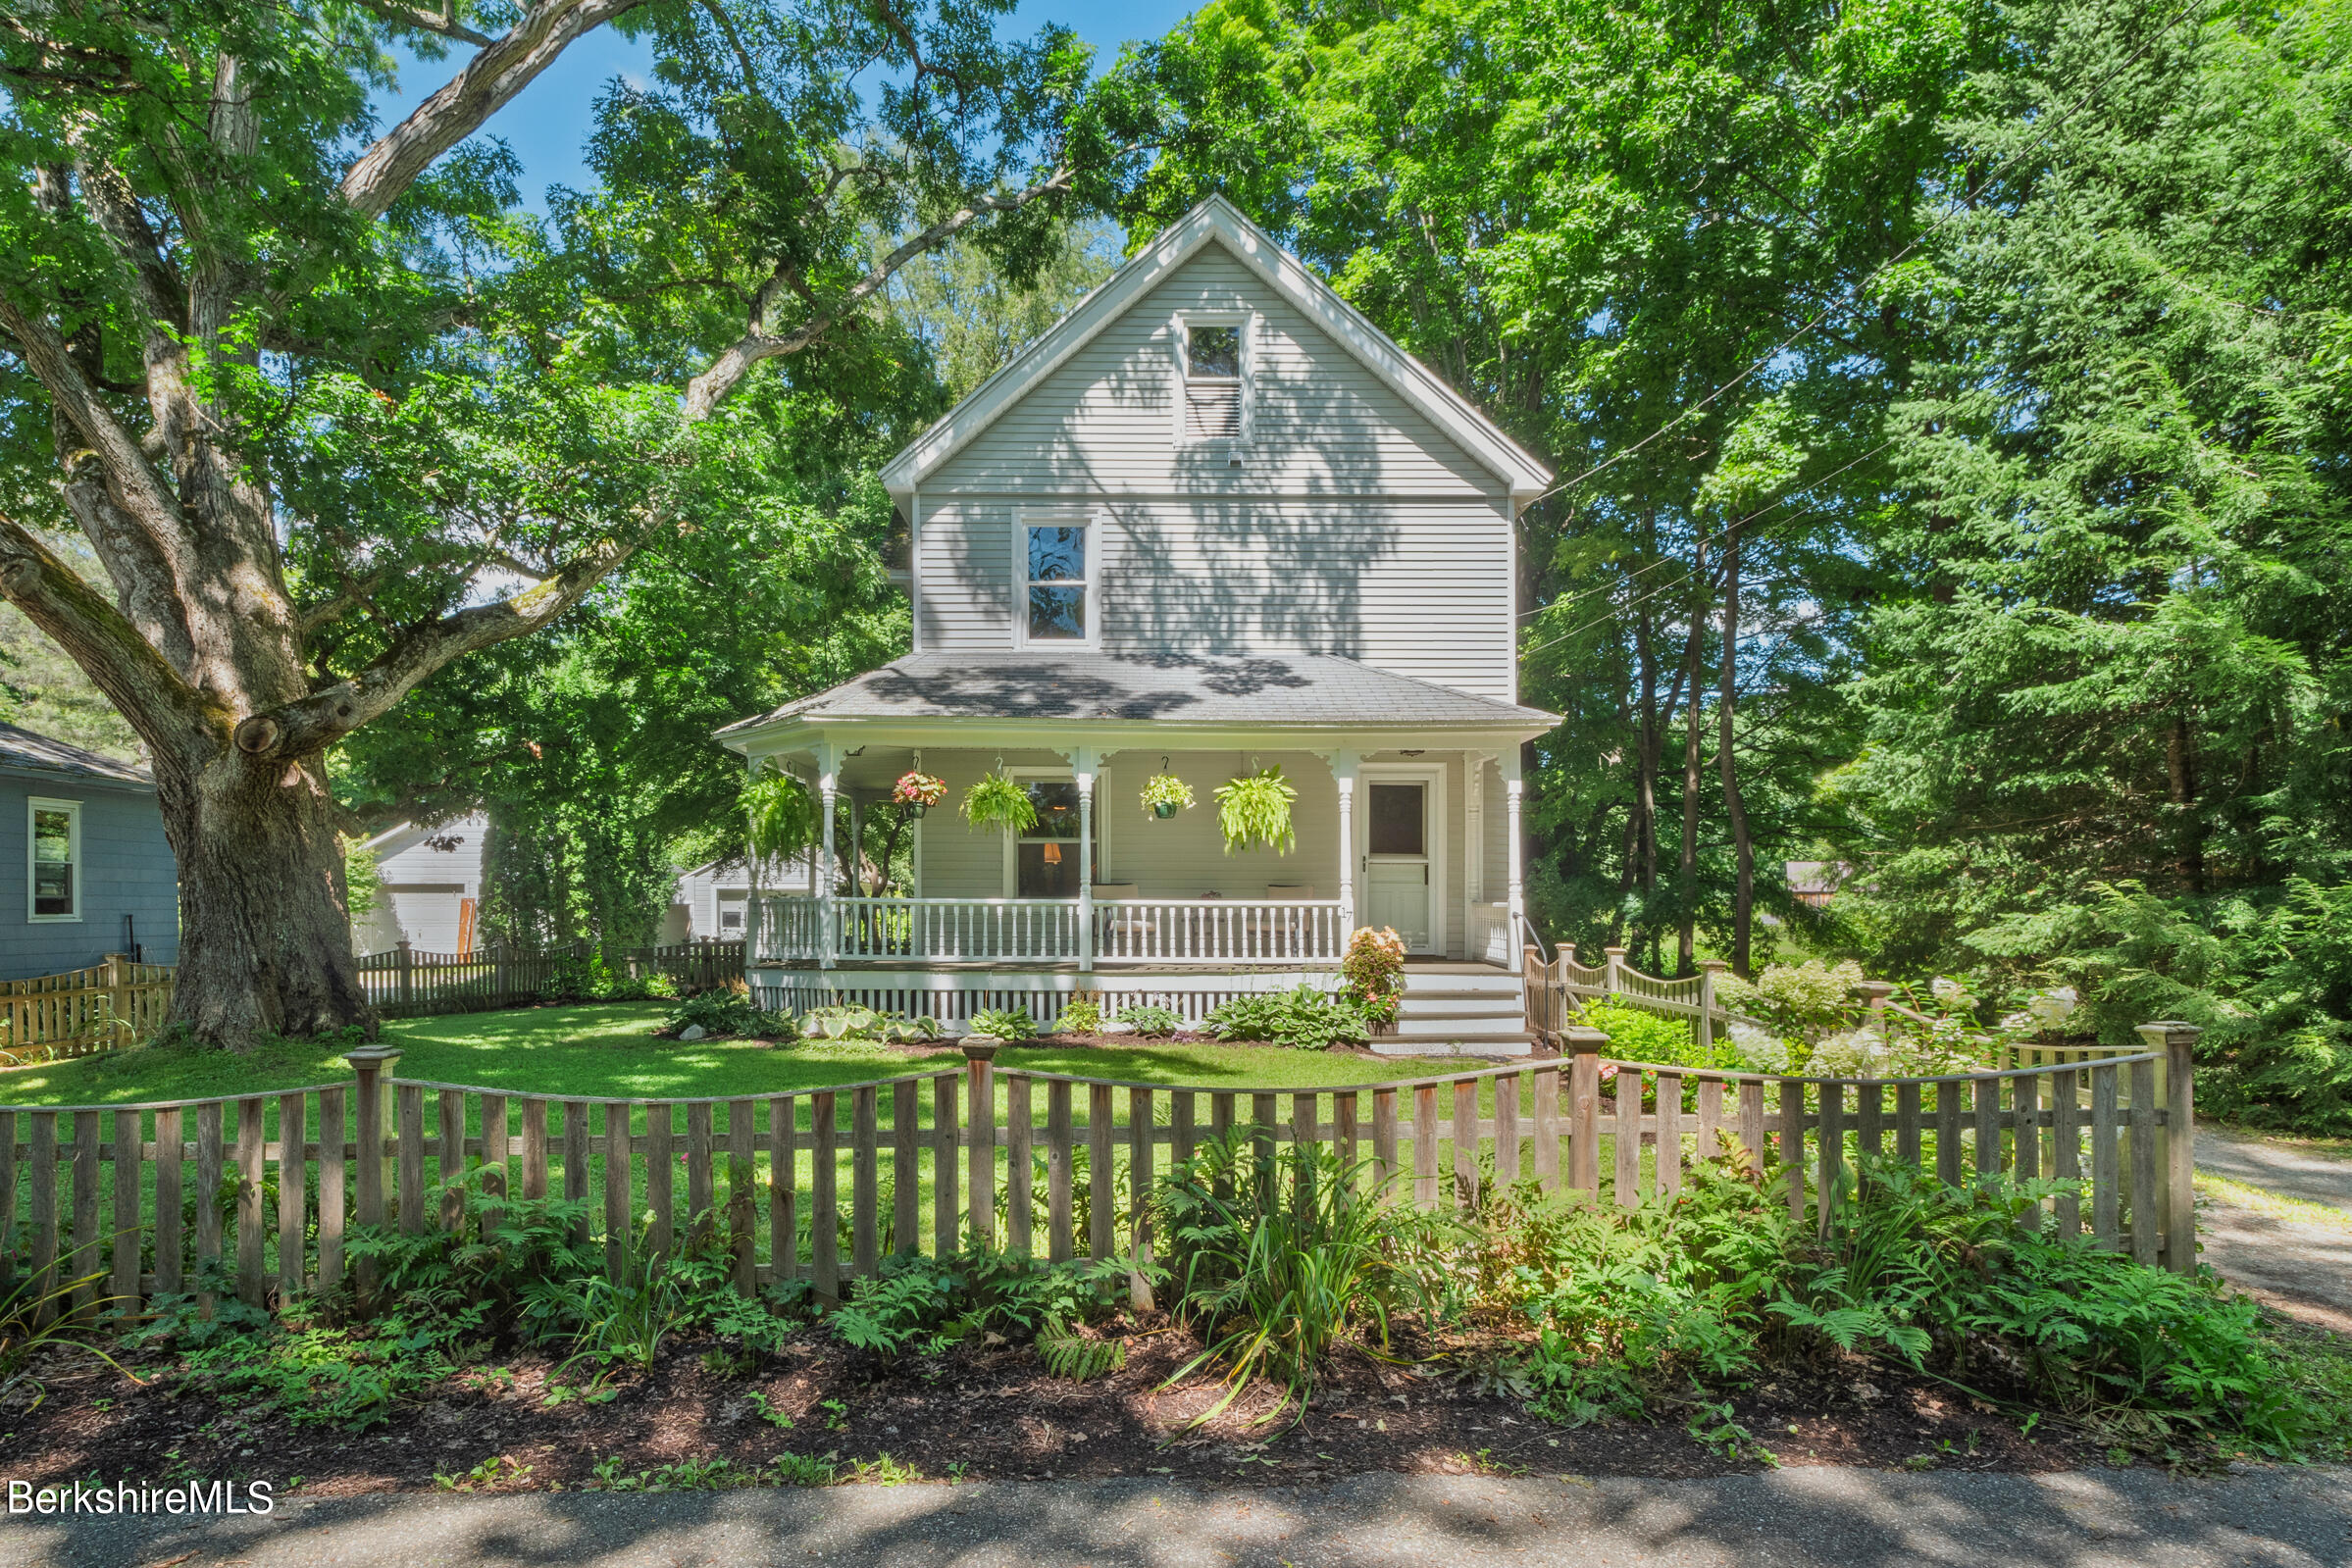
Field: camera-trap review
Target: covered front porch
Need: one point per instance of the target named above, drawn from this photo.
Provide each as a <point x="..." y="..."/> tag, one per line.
<point x="1405" y="816"/>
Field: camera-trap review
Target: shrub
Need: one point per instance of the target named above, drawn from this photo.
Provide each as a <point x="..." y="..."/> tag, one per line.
<point x="1374" y="973"/>
<point x="1005" y="1023"/>
<point x="1150" y="1020"/>
<point x="1305" y="1019"/>
<point x="1637" y="1035"/>
<point x="1811" y="999"/>
<point x="727" y="1013"/>
<point x="1083" y="1016"/>
<point x="924" y="1305"/>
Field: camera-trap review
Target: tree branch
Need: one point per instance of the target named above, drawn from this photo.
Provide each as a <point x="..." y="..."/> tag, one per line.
<point x="138" y="679"/>
<point x="707" y="391"/>
<point x="485" y="84"/>
<point x="444" y="22"/>
<point x="305" y="726"/>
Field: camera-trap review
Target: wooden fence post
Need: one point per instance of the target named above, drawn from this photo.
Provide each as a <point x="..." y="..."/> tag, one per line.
<point x="374" y="1065"/>
<point x="1711" y="972"/>
<point x="2177" y="1140"/>
<point x="407" y="972"/>
<point x="980" y="1115"/>
<point x="1610" y="966"/>
<point x="1584" y="1106"/>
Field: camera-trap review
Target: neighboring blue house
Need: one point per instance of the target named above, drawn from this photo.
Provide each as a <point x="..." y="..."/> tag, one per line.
<point x="84" y="870"/>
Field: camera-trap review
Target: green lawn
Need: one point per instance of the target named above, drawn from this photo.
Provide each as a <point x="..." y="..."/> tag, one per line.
<point x="608" y="1049"/>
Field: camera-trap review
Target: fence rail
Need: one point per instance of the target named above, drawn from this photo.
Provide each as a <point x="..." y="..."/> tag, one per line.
<point x="821" y="1184"/>
<point x="404" y="981"/>
<point x="83" y="1010"/>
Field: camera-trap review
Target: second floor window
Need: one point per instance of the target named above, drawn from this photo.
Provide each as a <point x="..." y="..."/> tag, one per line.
<point x="1213" y="381"/>
<point x="1059" y="582"/>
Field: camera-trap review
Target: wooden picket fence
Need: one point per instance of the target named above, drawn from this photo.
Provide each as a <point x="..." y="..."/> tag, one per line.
<point x="405" y="982"/>
<point x="116" y="1002"/>
<point x="822" y="1184"/>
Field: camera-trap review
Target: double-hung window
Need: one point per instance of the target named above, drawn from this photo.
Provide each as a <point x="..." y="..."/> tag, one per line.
<point x="1059" y="566"/>
<point x="1212" y="379"/>
<point x="54" y="854"/>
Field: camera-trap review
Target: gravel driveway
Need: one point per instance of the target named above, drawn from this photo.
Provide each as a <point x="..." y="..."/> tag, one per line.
<point x="2276" y="1518"/>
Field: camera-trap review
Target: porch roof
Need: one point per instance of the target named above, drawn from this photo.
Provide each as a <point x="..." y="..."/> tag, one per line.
<point x="1257" y="691"/>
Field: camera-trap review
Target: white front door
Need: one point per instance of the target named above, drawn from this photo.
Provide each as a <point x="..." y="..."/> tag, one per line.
<point x="1398" y="824"/>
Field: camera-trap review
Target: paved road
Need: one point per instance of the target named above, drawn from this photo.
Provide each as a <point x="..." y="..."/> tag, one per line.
<point x="1802" y="1518"/>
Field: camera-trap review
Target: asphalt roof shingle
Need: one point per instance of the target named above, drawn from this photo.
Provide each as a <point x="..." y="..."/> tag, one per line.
<point x="21" y="748"/>
<point x="1257" y="689"/>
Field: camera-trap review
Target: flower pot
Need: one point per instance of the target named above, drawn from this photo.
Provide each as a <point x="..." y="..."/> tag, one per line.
<point x="914" y="808"/>
<point x="1164" y="809"/>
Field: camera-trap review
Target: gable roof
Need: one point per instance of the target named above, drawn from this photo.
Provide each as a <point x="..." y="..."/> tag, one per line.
<point x="23" y="752"/>
<point x="1218" y="222"/>
<point x="1258" y="691"/>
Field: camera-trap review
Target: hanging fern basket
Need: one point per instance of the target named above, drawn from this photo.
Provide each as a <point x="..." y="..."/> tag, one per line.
<point x="1255" y="809"/>
<point x="997" y="799"/>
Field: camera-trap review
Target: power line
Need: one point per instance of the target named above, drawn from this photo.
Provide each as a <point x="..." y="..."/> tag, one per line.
<point x="1721" y="533"/>
<point x="1855" y="293"/>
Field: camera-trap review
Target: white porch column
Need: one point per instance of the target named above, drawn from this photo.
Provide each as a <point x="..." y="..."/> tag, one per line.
<point x="1342" y="774"/>
<point x="1511" y="787"/>
<point x="828" y="789"/>
<point x="1082" y="770"/>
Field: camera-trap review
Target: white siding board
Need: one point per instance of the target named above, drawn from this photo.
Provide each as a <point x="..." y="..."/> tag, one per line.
<point x="1103" y="422"/>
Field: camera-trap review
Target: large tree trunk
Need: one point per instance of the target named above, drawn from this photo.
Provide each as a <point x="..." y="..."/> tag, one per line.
<point x="1687" y="879"/>
<point x="265" y="930"/>
<point x="1743" y="846"/>
<point x="2180" y="789"/>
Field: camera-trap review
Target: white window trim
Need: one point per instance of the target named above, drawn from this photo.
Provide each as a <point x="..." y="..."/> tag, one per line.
<point x="73" y="810"/>
<point x="1094" y="523"/>
<point x="1013" y="839"/>
<point x="1179" y="336"/>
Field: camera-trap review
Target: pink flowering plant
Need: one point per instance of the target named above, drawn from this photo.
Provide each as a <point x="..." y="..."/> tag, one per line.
<point x="1373" y="973"/>
<point x="918" y="788"/>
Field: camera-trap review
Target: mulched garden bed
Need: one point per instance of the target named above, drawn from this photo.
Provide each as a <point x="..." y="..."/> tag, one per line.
<point x="979" y="1413"/>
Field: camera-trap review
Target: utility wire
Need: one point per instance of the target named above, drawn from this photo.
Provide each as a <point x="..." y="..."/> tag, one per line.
<point x="1855" y="294"/>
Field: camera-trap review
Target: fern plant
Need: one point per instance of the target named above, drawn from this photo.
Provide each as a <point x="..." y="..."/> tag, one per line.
<point x="997" y="799"/>
<point x="783" y="817"/>
<point x="1254" y="808"/>
<point x="1070" y="1354"/>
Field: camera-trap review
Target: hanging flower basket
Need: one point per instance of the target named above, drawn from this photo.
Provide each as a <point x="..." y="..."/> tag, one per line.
<point x="998" y="800"/>
<point x="1255" y="809"/>
<point x="1165" y="794"/>
<point x="917" y="791"/>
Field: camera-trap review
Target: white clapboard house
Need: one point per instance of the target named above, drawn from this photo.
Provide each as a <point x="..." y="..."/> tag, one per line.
<point x="1212" y="521"/>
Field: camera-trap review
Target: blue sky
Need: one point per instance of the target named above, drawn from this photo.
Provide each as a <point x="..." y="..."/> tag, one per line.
<point x="547" y="124"/>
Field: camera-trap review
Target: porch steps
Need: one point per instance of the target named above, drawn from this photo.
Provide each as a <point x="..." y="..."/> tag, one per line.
<point x="1459" y="1012"/>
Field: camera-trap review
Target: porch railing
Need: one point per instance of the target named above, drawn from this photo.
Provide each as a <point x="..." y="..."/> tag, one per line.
<point x="1127" y="930"/>
<point x="1219" y="931"/>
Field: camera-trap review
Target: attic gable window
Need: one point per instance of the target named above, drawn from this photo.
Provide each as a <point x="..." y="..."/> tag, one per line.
<point x="1213" y="378"/>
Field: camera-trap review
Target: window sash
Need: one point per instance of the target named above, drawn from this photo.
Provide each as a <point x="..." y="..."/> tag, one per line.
<point x="53" y="853"/>
<point x="1058" y="574"/>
